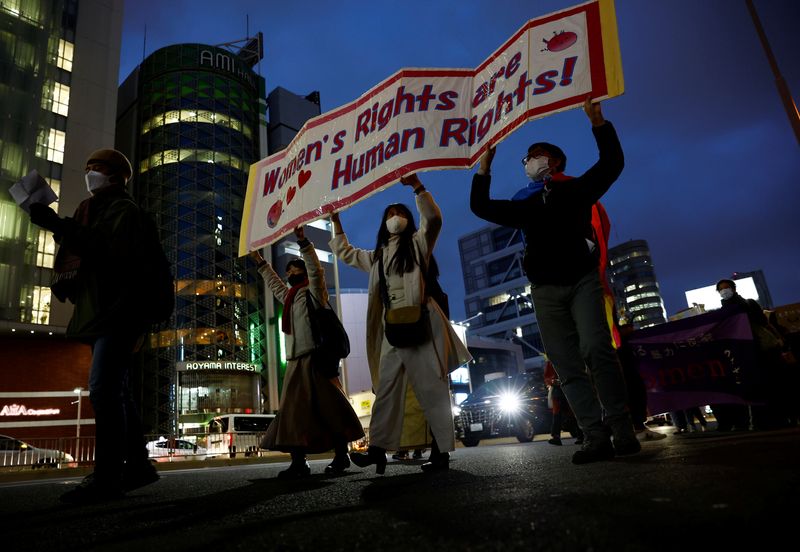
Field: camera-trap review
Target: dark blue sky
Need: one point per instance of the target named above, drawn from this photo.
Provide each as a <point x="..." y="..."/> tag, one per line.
<point x="712" y="177"/>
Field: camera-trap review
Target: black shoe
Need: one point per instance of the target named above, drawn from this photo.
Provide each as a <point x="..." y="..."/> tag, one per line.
<point x="438" y="462"/>
<point x="296" y="470"/>
<point x="374" y="455"/>
<point x="594" y="452"/>
<point x="141" y="477"/>
<point x="417" y="454"/>
<point x="92" y="490"/>
<point x="623" y="446"/>
<point x="555" y="441"/>
<point x="400" y="455"/>
<point x="339" y="464"/>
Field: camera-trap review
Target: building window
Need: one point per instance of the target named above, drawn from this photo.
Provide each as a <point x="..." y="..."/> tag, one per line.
<point x="12" y="160"/>
<point x="65" y="50"/>
<point x="45" y="249"/>
<point x="189" y="156"/>
<point x="56" y="99"/>
<point x="41" y="304"/>
<point x="50" y="145"/>
<point x="196" y="116"/>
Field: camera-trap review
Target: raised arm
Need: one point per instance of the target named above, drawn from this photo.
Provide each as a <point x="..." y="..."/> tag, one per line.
<point x="430" y="216"/>
<point x="277" y="286"/>
<point x="316" y="274"/>
<point x="503" y="212"/>
<point x="598" y="179"/>
<point x="349" y="255"/>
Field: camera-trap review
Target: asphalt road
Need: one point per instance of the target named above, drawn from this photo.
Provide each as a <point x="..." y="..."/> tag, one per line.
<point x="699" y="491"/>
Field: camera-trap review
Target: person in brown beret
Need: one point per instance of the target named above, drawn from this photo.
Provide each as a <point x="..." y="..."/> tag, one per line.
<point x="98" y="269"/>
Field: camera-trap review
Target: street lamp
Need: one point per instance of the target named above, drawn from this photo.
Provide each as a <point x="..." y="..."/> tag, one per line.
<point x="465" y="322"/>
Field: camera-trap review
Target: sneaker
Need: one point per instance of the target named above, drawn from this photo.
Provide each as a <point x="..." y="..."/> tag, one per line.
<point x="649" y="435"/>
<point x="555" y="441"/>
<point x="594" y="452"/>
<point x="136" y="479"/>
<point x="92" y="491"/>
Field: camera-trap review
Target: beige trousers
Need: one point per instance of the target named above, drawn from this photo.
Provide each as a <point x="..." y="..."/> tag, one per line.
<point x="399" y="367"/>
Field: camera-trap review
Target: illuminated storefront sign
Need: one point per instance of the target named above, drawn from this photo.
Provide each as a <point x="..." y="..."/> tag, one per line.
<point x="20" y="410"/>
<point x="223" y="365"/>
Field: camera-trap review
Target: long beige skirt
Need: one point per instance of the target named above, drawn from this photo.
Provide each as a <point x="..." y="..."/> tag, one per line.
<point x="315" y="414"/>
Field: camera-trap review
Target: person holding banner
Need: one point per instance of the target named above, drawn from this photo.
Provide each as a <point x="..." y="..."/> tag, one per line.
<point x="561" y="260"/>
<point x="315" y="414"/>
<point x="425" y="349"/>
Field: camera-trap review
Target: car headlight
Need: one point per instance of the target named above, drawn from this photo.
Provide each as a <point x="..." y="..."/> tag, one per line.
<point x="510" y="402"/>
<point x="456" y="411"/>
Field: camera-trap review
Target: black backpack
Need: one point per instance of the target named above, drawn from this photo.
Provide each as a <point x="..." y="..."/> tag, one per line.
<point x="157" y="285"/>
<point x="330" y="337"/>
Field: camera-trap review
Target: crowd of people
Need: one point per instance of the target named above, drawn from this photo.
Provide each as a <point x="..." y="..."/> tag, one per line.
<point x="411" y="346"/>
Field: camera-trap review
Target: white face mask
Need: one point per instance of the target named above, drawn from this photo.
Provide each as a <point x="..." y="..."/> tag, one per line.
<point x="96" y="180"/>
<point x="726" y="293"/>
<point x="537" y="168"/>
<point x="396" y="224"/>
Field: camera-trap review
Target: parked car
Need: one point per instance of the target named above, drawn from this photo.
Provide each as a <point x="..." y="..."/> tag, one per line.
<point x="14" y="452"/>
<point x="514" y="406"/>
<point x="166" y="450"/>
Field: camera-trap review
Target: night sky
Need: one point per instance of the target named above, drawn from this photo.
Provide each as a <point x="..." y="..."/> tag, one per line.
<point x="712" y="165"/>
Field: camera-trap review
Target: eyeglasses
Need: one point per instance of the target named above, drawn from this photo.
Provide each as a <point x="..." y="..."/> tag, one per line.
<point x="531" y="156"/>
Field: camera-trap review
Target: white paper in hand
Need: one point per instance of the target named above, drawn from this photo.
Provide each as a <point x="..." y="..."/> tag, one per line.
<point x="32" y="188"/>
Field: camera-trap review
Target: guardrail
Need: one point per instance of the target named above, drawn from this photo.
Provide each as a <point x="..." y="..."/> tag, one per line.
<point x="70" y="452"/>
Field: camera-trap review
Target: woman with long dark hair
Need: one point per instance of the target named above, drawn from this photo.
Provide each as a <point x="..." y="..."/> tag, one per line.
<point x="397" y="268"/>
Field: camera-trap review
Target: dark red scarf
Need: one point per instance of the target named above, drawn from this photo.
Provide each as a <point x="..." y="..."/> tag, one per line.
<point x="286" y="322"/>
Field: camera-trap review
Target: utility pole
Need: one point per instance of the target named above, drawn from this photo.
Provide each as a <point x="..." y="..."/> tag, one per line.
<point x="780" y="82"/>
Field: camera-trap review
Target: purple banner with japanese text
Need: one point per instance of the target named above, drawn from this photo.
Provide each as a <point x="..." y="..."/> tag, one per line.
<point x="705" y="359"/>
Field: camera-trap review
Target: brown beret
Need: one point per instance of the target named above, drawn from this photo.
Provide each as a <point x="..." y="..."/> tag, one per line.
<point x="114" y="159"/>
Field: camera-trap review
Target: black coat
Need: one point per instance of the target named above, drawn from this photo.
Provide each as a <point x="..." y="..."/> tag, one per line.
<point x="557" y="221"/>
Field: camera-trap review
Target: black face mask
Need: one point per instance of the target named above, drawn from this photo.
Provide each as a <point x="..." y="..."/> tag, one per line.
<point x="295" y="279"/>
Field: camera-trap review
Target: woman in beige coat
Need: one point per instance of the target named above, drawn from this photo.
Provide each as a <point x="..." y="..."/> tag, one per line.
<point x="315" y="415"/>
<point x="425" y="366"/>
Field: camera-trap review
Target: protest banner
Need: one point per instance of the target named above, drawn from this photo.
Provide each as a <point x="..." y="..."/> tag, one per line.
<point x="704" y="359"/>
<point x="424" y="119"/>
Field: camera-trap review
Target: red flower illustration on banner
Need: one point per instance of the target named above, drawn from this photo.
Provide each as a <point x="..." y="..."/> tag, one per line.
<point x="304" y="177"/>
<point x="274" y="214"/>
<point x="560" y="41"/>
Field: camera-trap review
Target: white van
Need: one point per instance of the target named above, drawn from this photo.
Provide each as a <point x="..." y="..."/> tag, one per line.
<point x="234" y="434"/>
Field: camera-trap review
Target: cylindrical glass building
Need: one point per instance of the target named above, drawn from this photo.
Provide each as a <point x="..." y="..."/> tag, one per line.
<point x="190" y="117"/>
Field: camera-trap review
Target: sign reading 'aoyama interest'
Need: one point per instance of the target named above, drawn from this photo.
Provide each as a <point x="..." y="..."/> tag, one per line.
<point x="423" y="119"/>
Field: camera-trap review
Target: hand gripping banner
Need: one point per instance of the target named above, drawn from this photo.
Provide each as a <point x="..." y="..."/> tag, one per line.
<point x="424" y="119"/>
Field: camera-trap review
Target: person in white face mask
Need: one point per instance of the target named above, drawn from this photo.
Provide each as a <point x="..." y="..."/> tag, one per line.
<point x="100" y="268"/>
<point x="773" y="384"/>
<point x="562" y="263"/>
<point x="397" y="270"/>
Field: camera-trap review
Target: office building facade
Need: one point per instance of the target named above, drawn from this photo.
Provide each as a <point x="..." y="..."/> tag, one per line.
<point x="58" y="73"/>
<point x="59" y="65"/>
<point x="497" y="293"/>
<point x="633" y="282"/>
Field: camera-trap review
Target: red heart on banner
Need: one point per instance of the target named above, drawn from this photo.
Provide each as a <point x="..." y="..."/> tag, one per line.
<point x="304" y="177"/>
<point x="290" y="195"/>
